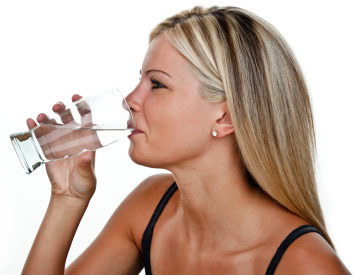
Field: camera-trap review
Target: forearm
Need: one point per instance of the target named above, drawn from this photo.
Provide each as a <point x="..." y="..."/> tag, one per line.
<point x="52" y="243"/>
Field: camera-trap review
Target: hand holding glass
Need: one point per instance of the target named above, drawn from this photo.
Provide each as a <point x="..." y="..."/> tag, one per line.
<point x="87" y="124"/>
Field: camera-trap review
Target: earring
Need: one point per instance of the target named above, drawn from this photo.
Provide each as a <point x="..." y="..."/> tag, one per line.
<point x="214" y="133"/>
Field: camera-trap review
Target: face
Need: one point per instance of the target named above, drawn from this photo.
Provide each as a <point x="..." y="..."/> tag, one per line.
<point x="166" y="105"/>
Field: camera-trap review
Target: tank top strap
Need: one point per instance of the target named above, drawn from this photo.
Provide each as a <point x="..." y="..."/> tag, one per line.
<point x="296" y="233"/>
<point x="147" y="235"/>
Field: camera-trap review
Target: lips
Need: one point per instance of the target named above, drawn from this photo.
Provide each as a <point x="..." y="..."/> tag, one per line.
<point x="136" y="131"/>
<point x="131" y="125"/>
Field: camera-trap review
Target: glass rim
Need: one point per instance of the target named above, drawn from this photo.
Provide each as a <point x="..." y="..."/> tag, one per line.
<point x="93" y="126"/>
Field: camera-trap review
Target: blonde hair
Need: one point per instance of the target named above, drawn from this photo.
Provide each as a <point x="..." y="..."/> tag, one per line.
<point x="241" y="58"/>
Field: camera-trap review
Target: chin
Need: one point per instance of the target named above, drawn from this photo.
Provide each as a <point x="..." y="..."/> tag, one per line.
<point x="150" y="160"/>
<point x="147" y="163"/>
<point x="141" y="159"/>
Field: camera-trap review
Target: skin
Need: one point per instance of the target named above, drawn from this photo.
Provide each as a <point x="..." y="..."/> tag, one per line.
<point x="214" y="196"/>
<point x="215" y="223"/>
<point x="177" y="127"/>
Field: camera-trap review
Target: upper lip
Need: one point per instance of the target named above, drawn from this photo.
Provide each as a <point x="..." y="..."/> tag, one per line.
<point x="131" y="125"/>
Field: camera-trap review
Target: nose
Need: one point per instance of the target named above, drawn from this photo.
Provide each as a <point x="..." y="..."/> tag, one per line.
<point x="125" y="105"/>
<point x="132" y="102"/>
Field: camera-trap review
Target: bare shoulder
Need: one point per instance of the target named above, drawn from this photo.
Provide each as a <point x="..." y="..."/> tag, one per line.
<point x="150" y="188"/>
<point x="311" y="254"/>
<point x="116" y="249"/>
<point x="138" y="206"/>
<point x="145" y="198"/>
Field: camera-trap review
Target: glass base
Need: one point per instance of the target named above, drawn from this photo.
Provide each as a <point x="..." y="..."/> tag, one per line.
<point x="27" y="149"/>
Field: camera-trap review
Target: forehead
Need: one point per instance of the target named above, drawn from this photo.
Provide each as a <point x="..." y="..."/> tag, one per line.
<point x="161" y="55"/>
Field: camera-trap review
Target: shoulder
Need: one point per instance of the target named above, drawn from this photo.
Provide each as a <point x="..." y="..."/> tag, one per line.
<point x="310" y="254"/>
<point x="143" y="200"/>
<point x="149" y="192"/>
<point x="116" y="247"/>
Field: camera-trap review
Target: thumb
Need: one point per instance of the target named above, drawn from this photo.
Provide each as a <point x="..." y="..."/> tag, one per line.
<point x="84" y="177"/>
<point x="84" y="161"/>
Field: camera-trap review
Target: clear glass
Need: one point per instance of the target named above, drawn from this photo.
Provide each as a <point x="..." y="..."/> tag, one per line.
<point x="87" y="124"/>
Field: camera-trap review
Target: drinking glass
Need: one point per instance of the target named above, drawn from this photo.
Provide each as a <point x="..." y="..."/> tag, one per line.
<point x="87" y="124"/>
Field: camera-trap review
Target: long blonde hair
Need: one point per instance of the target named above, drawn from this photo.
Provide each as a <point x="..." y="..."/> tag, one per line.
<point x="241" y="58"/>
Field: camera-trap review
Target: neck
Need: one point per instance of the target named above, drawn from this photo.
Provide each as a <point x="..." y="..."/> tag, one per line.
<point x="217" y="204"/>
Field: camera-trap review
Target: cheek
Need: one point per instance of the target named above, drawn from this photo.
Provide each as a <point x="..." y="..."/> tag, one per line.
<point x="177" y="130"/>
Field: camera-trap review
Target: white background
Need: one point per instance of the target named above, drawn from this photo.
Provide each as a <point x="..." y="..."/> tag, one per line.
<point x="51" y="49"/>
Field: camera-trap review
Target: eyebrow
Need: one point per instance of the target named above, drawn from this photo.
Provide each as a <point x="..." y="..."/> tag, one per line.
<point x="156" y="71"/>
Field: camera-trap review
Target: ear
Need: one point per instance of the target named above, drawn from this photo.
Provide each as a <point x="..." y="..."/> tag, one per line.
<point x="224" y="125"/>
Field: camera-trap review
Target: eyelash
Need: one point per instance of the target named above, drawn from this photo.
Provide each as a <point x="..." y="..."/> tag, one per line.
<point x="155" y="82"/>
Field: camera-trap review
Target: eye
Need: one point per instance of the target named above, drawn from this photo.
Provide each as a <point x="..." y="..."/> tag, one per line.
<point x="157" y="84"/>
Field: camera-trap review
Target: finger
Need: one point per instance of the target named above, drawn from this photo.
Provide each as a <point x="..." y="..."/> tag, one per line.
<point x="31" y="123"/>
<point x="76" y="97"/>
<point x="85" y="164"/>
<point x="86" y="156"/>
<point x="65" y="114"/>
<point x="42" y="118"/>
<point x="85" y="112"/>
<point x="38" y="132"/>
<point x="58" y="107"/>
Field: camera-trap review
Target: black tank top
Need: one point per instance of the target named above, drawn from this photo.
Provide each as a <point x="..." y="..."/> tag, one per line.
<point x="147" y="235"/>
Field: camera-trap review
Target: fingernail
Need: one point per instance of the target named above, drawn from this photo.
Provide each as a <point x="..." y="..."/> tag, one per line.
<point x="41" y="116"/>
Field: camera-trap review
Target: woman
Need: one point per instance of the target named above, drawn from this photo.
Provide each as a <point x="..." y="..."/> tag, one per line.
<point x="223" y="106"/>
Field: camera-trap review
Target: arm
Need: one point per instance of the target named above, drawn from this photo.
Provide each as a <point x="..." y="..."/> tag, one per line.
<point x="114" y="251"/>
<point x="52" y="243"/>
<point x="117" y="249"/>
<point x="73" y="183"/>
